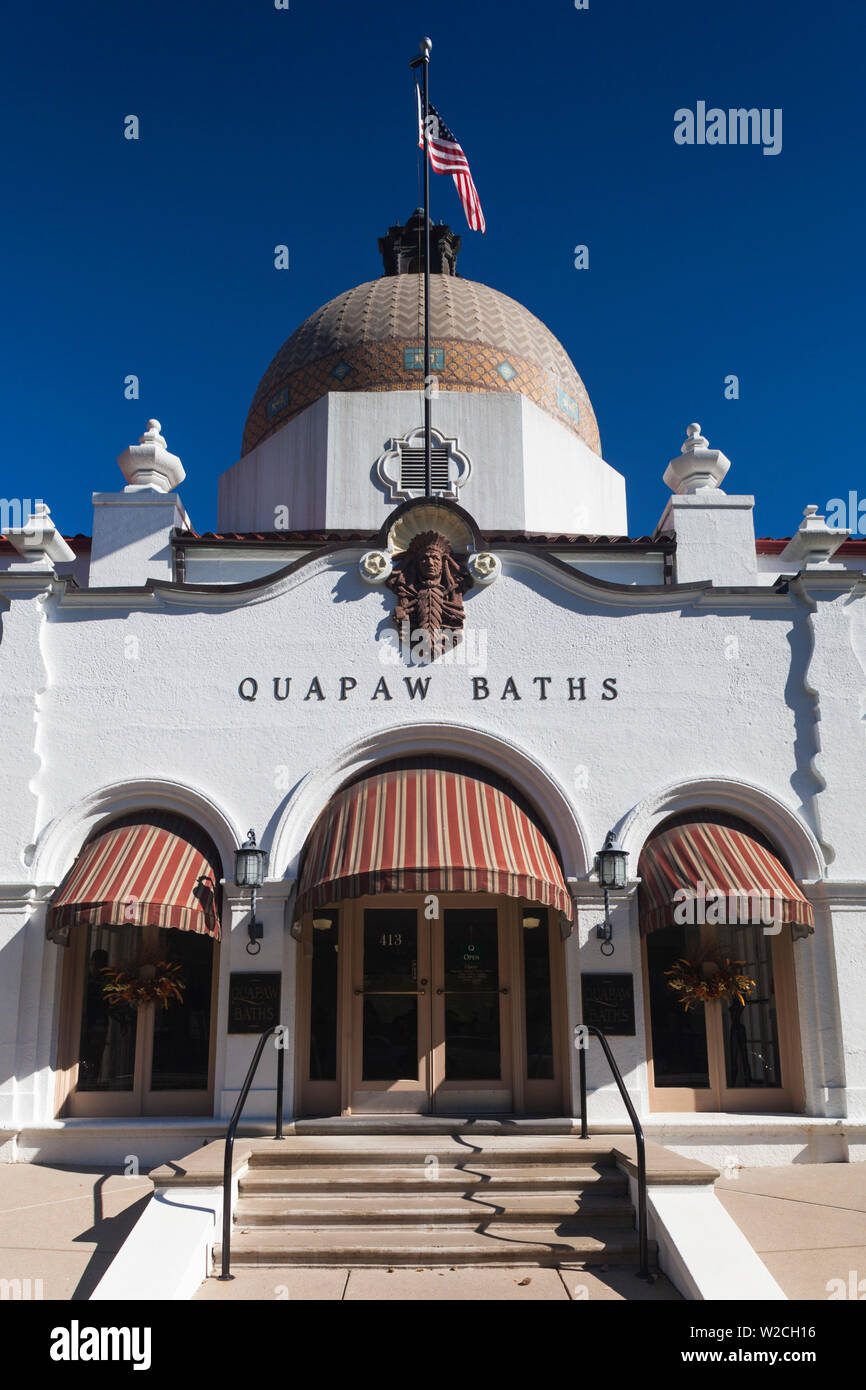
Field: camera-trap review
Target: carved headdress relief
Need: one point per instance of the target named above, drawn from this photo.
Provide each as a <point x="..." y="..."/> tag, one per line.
<point x="429" y="583"/>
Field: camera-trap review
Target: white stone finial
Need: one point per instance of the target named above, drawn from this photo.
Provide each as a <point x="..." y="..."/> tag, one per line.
<point x="694" y="439"/>
<point x="148" y="464"/>
<point x="698" y="468"/>
<point x="814" y="543"/>
<point x="38" y="541"/>
<point x="153" y="431"/>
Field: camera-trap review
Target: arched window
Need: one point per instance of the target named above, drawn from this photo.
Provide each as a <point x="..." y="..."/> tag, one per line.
<point x="139" y="911"/>
<point x="718" y="909"/>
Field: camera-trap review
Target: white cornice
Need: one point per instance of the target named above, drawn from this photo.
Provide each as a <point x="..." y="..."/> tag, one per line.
<point x="132" y="600"/>
<point x="601" y="593"/>
<point x="828" y="583"/>
<point x="160" y="594"/>
<point x="842" y="894"/>
<point x="14" y="896"/>
<point x="27" y="582"/>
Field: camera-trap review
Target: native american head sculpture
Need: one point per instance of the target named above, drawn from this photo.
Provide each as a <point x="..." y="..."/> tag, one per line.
<point x="429" y="583"/>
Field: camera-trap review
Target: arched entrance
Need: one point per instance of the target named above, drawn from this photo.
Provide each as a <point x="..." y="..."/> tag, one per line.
<point x="431" y="906"/>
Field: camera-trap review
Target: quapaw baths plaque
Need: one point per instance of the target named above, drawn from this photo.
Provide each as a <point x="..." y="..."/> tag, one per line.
<point x="254" y="1001"/>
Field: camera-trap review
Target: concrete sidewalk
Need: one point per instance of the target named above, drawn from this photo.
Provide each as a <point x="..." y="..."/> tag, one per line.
<point x="488" y="1284"/>
<point x="60" y="1228"/>
<point x="807" y="1222"/>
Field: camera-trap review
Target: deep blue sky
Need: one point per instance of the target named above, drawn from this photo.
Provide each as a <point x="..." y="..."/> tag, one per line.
<point x="261" y="126"/>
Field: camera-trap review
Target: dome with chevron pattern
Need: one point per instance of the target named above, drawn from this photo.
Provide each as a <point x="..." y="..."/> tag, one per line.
<point x="371" y="338"/>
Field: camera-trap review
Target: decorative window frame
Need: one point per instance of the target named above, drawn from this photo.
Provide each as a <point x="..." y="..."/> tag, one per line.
<point x="388" y="466"/>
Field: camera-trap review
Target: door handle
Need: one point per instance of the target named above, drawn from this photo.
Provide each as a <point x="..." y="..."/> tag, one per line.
<point x="391" y="991"/>
<point x="504" y="990"/>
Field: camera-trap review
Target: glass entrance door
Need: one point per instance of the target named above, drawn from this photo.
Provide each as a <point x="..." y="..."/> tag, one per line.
<point x="471" y="1009"/>
<point x="431" y="1011"/>
<point x="391" y="996"/>
<point x="401" y="1012"/>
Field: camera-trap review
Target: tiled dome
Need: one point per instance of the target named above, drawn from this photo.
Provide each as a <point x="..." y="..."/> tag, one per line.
<point x="371" y="339"/>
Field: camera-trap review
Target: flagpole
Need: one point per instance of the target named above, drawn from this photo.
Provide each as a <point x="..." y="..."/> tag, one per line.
<point x="423" y="60"/>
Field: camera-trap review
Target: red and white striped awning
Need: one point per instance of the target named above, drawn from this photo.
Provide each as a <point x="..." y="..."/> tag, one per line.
<point x="149" y="869"/>
<point x="438" y="828"/>
<point x="702" y="859"/>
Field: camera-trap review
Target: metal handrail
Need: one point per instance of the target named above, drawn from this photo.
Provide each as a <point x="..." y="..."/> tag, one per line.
<point x="643" y="1272"/>
<point x="230" y="1137"/>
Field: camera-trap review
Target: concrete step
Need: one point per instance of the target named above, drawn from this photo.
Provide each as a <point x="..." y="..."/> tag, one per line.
<point x="453" y="1150"/>
<point x="350" y="1198"/>
<point x="436" y="1124"/>
<point x="500" y="1244"/>
<point x="432" y="1209"/>
<point x="364" y="1178"/>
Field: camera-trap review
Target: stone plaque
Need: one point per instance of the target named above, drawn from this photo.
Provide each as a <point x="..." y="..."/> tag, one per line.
<point x="254" y="1001"/>
<point x="608" y="1003"/>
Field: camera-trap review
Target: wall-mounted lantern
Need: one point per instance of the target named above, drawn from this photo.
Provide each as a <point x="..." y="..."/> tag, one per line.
<point x="251" y="865"/>
<point x="610" y="864"/>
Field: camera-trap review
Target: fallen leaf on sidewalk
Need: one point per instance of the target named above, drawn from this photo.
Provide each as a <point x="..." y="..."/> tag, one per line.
<point x="521" y="1282"/>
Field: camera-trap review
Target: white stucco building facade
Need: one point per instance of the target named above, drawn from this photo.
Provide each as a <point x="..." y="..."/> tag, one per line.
<point x="248" y="678"/>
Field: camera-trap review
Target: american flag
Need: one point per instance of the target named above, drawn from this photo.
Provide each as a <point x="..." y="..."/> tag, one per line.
<point x="446" y="157"/>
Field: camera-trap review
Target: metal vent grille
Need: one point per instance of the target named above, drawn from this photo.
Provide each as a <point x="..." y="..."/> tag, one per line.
<point x="412" y="469"/>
